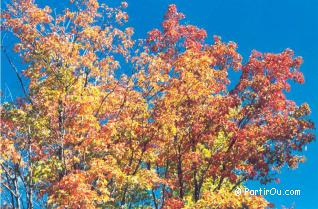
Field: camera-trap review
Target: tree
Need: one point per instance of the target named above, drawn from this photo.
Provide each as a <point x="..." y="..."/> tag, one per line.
<point x="170" y="134"/>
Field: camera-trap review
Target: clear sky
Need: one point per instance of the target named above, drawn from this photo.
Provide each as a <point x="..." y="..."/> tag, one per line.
<point x="264" y="25"/>
<point x="267" y="26"/>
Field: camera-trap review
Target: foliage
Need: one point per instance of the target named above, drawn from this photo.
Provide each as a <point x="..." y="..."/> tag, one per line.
<point x="170" y="134"/>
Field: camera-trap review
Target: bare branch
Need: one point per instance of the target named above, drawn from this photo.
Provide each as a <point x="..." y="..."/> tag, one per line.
<point x="15" y="69"/>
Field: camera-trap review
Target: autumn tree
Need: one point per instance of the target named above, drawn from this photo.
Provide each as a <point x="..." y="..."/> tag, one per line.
<point x="169" y="134"/>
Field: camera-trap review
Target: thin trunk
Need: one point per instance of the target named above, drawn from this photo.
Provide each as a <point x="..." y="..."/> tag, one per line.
<point x="221" y="181"/>
<point x="152" y="191"/>
<point x="123" y="200"/>
<point x="12" y="193"/>
<point x="154" y="199"/>
<point x="196" y="194"/>
<point x="61" y="133"/>
<point x="17" y="193"/>
<point x="164" y="186"/>
<point x="180" y="177"/>
<point x="30" y="183"/>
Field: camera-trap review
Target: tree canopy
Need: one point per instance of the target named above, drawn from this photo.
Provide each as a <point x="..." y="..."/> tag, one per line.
<point x="171" y="133"/>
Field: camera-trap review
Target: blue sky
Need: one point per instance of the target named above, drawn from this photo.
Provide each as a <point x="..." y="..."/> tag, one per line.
<point x="264" y="25"/>
<point x="267" y="26"/>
